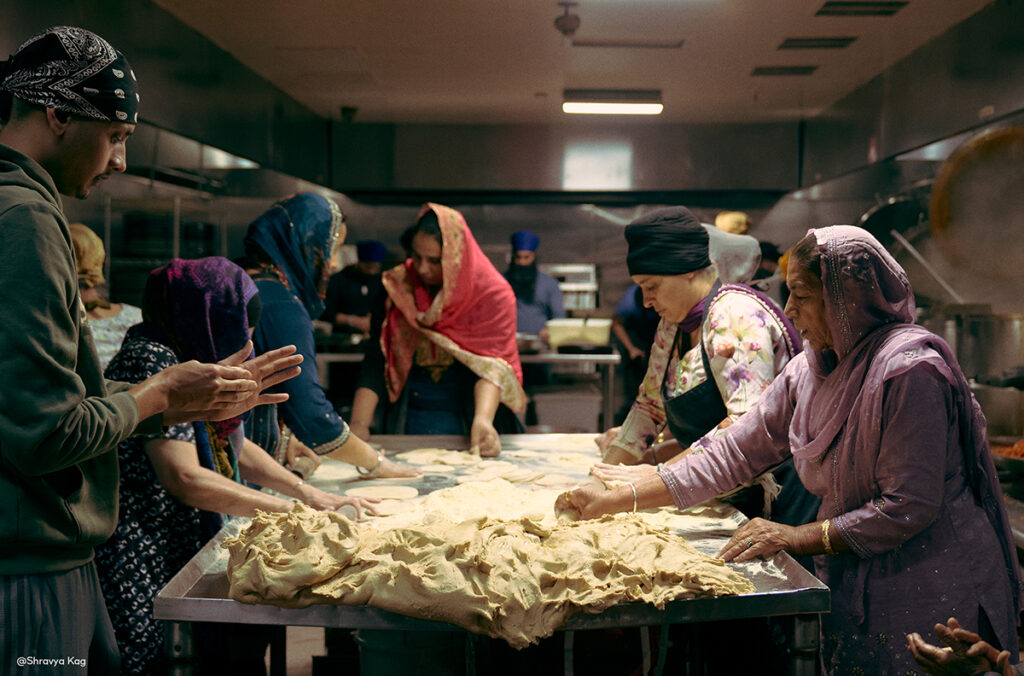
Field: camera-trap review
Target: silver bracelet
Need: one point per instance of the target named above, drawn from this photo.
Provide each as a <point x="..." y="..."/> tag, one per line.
<point x="635" y="500"/>
<point x="370" y="473"/>
<point x="661" y="466"/>
<point x="282" y="445"/>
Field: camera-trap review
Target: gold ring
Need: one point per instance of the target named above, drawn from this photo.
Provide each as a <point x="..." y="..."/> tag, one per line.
<point x="749" y="542"/>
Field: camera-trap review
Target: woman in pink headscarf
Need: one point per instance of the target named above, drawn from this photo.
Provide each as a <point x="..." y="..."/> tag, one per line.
<point x="881" y="425"/>
<point x="443" y="358"/>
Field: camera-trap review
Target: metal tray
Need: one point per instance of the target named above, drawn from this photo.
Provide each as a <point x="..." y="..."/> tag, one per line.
<point x="199" y="591"/>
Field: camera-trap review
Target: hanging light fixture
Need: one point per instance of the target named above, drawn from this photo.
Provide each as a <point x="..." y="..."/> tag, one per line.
<point x="612" y="101"/>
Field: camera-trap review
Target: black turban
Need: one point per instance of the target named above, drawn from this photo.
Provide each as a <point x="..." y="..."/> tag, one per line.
<point x="73" y="70"/>
<point x="668" y="241"/>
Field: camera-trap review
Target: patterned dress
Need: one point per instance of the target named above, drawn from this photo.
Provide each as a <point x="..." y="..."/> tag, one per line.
<point x="108" y="332"/>
<point x="156" y="533"/>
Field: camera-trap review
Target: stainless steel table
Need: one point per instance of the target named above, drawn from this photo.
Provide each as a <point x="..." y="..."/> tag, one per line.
<point x="1015" y="511"/>
<point x="199" y="592"/>
<point x="605" y="363"/>
<point x="325" y="359"/>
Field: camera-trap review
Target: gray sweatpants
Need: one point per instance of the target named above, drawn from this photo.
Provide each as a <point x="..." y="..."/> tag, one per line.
<point x="56" y="623"/>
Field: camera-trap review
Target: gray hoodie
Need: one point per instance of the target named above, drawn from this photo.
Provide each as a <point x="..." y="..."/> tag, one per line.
<point x="60" y="421"/>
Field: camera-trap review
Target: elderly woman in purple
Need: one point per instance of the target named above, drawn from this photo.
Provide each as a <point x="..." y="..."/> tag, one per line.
<point x="882" y="425"/>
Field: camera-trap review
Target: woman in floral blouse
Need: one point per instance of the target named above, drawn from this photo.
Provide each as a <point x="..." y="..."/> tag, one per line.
<point x="741" y="341"/>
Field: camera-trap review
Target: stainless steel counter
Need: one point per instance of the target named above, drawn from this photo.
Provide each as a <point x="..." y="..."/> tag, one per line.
<point x="1015" y="510"/>
<point x="604" y="363"/>
<point x="199" y="591"/>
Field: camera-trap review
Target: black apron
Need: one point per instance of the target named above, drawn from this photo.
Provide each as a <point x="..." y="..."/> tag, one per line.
<point x="697" y="411"/>
<point x="700" y="409"/>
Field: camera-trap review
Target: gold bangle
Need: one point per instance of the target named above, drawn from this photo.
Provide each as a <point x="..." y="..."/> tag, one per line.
<point x="635" y="500"/>
<point x="825" y="538"/>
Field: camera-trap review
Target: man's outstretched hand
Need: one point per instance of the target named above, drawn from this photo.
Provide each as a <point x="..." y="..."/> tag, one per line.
<point x="196" y="391"/>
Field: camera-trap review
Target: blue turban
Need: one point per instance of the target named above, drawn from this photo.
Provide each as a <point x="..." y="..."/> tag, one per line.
<point x="371" y="251"/>
<point x="524" y="240"/>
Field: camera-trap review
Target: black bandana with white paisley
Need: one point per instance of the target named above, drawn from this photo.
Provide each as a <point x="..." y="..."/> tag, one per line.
<point x="73" y="70"/>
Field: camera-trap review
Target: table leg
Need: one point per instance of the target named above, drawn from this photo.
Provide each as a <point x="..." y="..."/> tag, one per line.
<point x="804" y="644"/>
<point x="323" y="370"/>
<point x="178" y="649"/>
<point x="608" y="396"/>
<point x="279" y="652"/>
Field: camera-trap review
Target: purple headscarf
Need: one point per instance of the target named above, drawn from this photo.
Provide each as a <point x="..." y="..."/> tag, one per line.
<point x="198" y="307"/>
<point x="869" y="307"/>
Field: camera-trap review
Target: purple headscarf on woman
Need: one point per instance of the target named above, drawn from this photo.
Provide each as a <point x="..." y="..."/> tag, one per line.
<point x="869" y="307"/>
<point x="202" y="310"/>
<point x="199" y="307"/>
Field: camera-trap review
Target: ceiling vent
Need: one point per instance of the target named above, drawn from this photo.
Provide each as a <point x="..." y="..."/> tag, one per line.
<point x="857" y="8"/>
<point x="629" y="44"/>
<point x="783" y="70"/>
<point x="816" y="43"/>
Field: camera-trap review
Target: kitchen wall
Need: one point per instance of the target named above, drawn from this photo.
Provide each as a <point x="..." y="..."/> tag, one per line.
<point x="187" y="84"/>
<point x="966" y="77"/>
<point x="888" y="139"/>
<point x="789" y="176"/>
<point x="971" y="75"/>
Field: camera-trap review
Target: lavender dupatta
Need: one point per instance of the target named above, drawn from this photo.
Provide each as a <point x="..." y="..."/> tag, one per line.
<point x="869" y="305"/>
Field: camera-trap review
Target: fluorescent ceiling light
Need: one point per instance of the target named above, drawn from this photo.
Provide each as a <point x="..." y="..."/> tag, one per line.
<point x="612" y="102"/>
<point x="592" y="108"/>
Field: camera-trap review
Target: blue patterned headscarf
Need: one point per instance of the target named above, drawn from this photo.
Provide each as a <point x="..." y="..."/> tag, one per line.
<point x="298" y="235"/>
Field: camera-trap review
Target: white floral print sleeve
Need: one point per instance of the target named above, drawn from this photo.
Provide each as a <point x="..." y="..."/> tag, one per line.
<point x="746" y="349"/>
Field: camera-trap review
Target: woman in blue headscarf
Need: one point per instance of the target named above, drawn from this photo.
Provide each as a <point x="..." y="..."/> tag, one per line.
<point x="292" y="245"/>
<point x="174" y="486"/>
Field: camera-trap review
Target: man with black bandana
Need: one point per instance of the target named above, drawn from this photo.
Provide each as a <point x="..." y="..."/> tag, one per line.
<point x="68" y="102"/>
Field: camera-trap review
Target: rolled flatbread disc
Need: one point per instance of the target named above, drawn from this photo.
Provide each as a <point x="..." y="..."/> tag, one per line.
<point x="436" y="469"/>
<point x="383" y="492"/>
<point x="438" y="456"/>
<point x="334" y="470"/>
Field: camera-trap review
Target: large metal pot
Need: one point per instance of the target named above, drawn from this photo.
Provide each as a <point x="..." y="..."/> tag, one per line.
<point x="1003" y="408"/>
<point x="986" y="345"/>
<point x="977" y="205"/>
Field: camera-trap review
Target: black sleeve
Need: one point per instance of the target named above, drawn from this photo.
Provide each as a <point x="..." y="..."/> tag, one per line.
<point x="371" y="375"/>
<point x="331" y="298"/>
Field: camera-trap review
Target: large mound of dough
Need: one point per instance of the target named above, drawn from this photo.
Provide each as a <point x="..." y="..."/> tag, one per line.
<point x="513" y="578"/>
